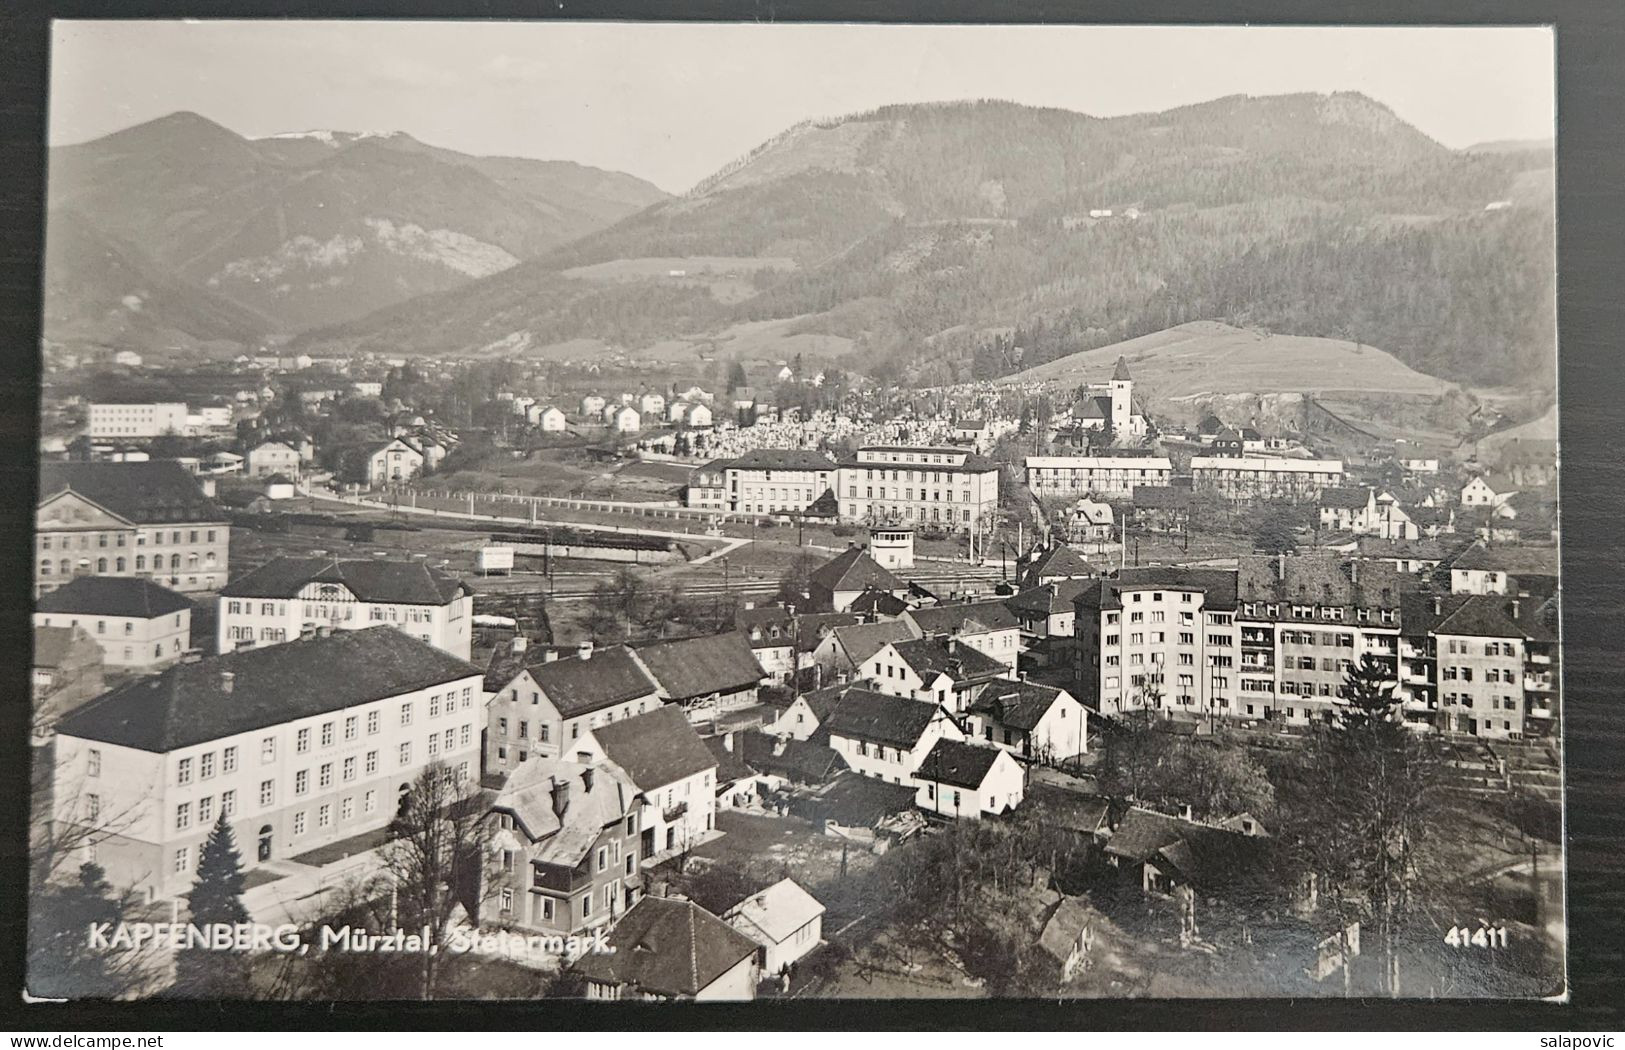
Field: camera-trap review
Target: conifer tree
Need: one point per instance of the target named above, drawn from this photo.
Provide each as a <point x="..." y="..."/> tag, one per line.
<point x="217" y="897"/>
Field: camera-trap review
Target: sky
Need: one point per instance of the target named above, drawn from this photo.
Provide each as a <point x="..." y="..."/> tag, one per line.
<point x="673" y="103"/>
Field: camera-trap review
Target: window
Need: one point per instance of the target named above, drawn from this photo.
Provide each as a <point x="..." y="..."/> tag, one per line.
<point x="349" y="769"/>
<point x="372" y="722"/>
<point x="267" y="792"/>
<point x="228" y="803"/>
<point x="301" y="782"/>
<point x="183" y="816"/>
<point x="299" y="823"/>
<point x="468" y="735"/>
<point x="325" y="777"/>
<point x="369" y="801"/>
<point x="406" y="713"/>
<point x="268" y="749"/>
<point x="183" y="859"/>
<point x="327" y="734"/>
<point x="406" y="753"/>
<point x="301" y="741"/>
<point x="206" y="766"/>
<point x="93" y="806"/>
<point x="93" y="763"/>
<point x="324" y="815"/>
<point x="350" y="727"/>
<point x="434" y="706"/>
<point x="205" y="810"/>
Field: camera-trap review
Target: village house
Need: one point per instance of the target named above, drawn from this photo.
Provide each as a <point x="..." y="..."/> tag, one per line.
<point x="1037" y="722"/>
<point x="1161" y="853"/>
<point x="784" y="919"/>
<point x="707" y="677"/>
<point x="884" y="736"/>
<point x="566" y="838"/>
<point x="146" y="519"/>
<point x="298" y="745"/>
<point x="707" y="486"/>
<point x="1053" y="565"/>
<point x="771" y="633"/>
<point x="837" y="583"/>
<point x="1488" y="490"/>
<point x="803" y="716"/>
<point x="541" y="705"/>
<point x="394" y="462"/>
<point x="966" y="780"/>
<point x="138" y="624"/>
<point x="1481" y="569"/>
<point x="943" y="671"/>
<point x="1046" y="617"/>
<point x="988" y="627"/>
<point x="1162" y="508"/>
<point x="271" y="457"/>
<point x="622" y="419"/>
<point x="845" y="651"/>
<point x="671" y="950"/>
<point x="550" y="420"/>
<point x="673" y="771"/>
<point x="288" y="597"/>
<point x="592" y="406"/>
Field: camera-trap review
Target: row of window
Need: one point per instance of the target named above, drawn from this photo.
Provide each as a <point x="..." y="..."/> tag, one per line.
<point x="117" y="539"/>
<point x="64" y="567"/>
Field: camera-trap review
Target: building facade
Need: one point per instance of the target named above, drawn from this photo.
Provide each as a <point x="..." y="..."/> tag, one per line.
<point x="1246" y="479"/>
<point x="950" y="488"/>
<point x="135" y="420"/>
<point x="1112" y="475"/>
<point x="768" y="481"/>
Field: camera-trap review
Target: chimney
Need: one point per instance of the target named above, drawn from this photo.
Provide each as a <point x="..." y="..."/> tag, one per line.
<point x="749" y="605"/>
<point x="586" y="779"/>
<point x="1185" y="813"/>
<point x="727" y="742"/>
<point x="1280" y="566"/>
<point x="549" y="656"/>
<point x="1021" y="676"/>
<point x="228" y="680"/>
<point x="584" y="650"/>
<point x="561" y="797"/>
<point x="1438" y="605"/>
<point x="1354" y="571"/>
<point x="520" y="642"/>
<point x="1514" y="608"/>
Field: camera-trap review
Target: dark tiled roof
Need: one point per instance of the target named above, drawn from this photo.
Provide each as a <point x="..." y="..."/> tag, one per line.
<point x="767" y="627"/>
<point x="1049" y="599"/>
<point x="958" y="763"/>
<point x="880" y="719"/>
<point x="969" y="618"/>
<point x="863" y="640"/>
<point x="1144" y="831"/>
<point x="878" y="603"/>
<point x="1318" y="579"/>
<point x="1345" y="497"/>
<point x="188" y="703"/>
<point x="1514" y="560"/>
<point x="929" y="657"/>
<point x="156" y="491"/>
<point x="1018" y="705"/>
<point x="1071" y="810"/>
<point x="825" y="506"/>
<point x="853" y="570"/>
<point x="1093" y="408"/>
<point x="1218" y="585"/>
<point x="1120" y="373"/>
<point x="667" y="948"/>
<point x="730" y="764"/>
<point x="128" y="596"/>
<point x="811" y="628"/>
<point x="369" y="579"/>
<point x="805" y="761"/>
<point x="1059" y="560"/>
<point x="695" y="667"/>
<point x="1497" y="616"/>
<point x="655" y="749"/>
<point x="574" y="686"/>
<point x="782" y="459"/>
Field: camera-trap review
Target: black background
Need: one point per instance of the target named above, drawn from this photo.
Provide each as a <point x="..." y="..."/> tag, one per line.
<point x="1591" y="290"/>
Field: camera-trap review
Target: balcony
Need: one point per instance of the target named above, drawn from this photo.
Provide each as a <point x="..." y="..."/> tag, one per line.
<point x="1539" y="683"/>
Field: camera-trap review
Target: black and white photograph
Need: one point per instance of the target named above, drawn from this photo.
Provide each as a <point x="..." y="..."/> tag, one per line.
<point x="724" y="512"/>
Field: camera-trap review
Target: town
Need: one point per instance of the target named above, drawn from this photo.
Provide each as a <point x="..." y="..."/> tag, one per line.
<point x="786" y="682"/>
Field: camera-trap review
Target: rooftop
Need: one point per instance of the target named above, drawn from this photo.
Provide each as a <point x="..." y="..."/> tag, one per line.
<point x="147" y="492"/>
<point x="667" y="948"/>
<point x="655" y="749"/>
<point x="384" y="580"/>
<point x="690" y="668"/>
<point x="120" y="596"/>
<point x="958" y="763"/>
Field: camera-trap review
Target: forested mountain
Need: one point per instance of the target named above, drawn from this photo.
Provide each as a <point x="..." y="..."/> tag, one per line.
<point x="926" y="232"/>
<point x="324" y="226"/>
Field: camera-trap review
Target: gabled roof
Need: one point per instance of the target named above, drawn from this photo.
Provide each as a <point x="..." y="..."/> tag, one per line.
<point x="124" y="596"/>
<point x="807" y="761"/>
<point x="879" y="718"/>
<point x="1500" y="616"/>
<point x="1218" y="586"/>
<point x="591" y="800"/>
<point x="873" y="602"/>
<point x="773" y="915"/>
<point x="966" y="618"/>
<point x="811" y="628"/>
<point x="825" y="506"/>
<point x="1059" y="560"/>
<point x="958" y="763"/>
<point x="730" y="764"/>
<point x="689" y="668"/>
<point x="667" y="948"/>
<point x="853" y="570"/>
<point x="929" y="657"/>
<point x="190" y="703"/>
<point x="863" y="640"/>
<point x="1060" y="934"/>
<point x="148" y="492"/>
<point x="1346" y="498"/>
<point x="573" y="685"/>
<point x="655" y="749"/>
<point x="1093" y="408"/>
<point x="1513" y="560"/>
<point x="1019" y="705"/>
<point x="767" y="627"/>
<point x="391" y="581"/>
<point x="1047" y="600"/>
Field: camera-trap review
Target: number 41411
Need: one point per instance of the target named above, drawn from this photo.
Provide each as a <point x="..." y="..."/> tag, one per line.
<point x="1483" y="937"/>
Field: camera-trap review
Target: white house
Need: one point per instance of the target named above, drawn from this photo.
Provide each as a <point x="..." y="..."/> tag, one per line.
<point x="298" y="746"/>
<point x="1487" y="490"/>
<point x="988" y="627"/>
<point x="623" y="419"/>
<point x="885" y="736"/>
<point x="394" y="461"/>
<point x="786" y="920"/>
<point x="940" y="670"/>
<point x="1030" y="720"/>
<point x="698" y="417"/>
<point x="137" y="623"/>
<point x="966" y="780"/>
<point x="651" y="404"/>
<point x="550" y="420"/>
<point x="592" y="405"/>
<point x="271" y="457"/>
<point x="673" y="770"/>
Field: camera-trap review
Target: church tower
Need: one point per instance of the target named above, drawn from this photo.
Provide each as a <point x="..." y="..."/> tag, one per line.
<point x="1122" y="395"/>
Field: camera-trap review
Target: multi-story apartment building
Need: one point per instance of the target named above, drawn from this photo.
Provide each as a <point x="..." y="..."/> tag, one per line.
<point x="137" y="623"/>
<point x="1159" y="638"/>
<point x="1481" y="664"/>
<point x="542" y="705"/>
<point x="297" y="745"/>
<point x="290" y="596"/>
<point x="146" y="518"/>
<point x="135" y="419"/>
<point x="566" y="835"/>
<point x="1117" y="474"/>
<point x="952" y="488"/>
<point x="775" y="480"/>
<point x="1246" y="479"/>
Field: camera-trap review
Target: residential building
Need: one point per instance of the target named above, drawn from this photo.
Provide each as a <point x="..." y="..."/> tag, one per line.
<point x="842" y="655"/>
<point x="708" y="486"/>
<point x="135" y="419"/>
<point x="1053" y="565"/>
<point x="1484" y="665"/>
<point x="785" y="921"/>
<point x="652" y="405"/>
<point x="706" y="677"/>
<point x="271" y="457"/>
<point x="394" y="462"/>
<point x="771" y="633"/>
<point x="550" y="420"/>
<point x="1366" y="512"/>
<point x="803" y="716"/>
<point x="670" y="949"/>
<point x="885" y="736"/>
<point x="298" y="745"/>
<point x="943" y="671"/>
<point x="1162" y="508"/>
<point x="1118" y="473"/>
<point x="623" y="419"/>
<point x="1037" y="722"/>
<point x="836" y="584"/>
<point x="967" y="780"/>
<point x="950" y="488"/>
<point x="1161" y="853"/>
<point x="1047" y="620"/>
<point x="541" y="705"/>
<point x="592" y="405"/>
<point x="128" y="519"/>
<point x="287" y="597"/>
<point x="673" y="771"/>
<point x="775" y="480"/>
<point x="1488" y="490"/>
<point x="138" y="624"/>
<point x="1481" y="569"/>
<point x="566" y="839"/>
<point x="1249" y="479"/>
<point x="988" y="627"/>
